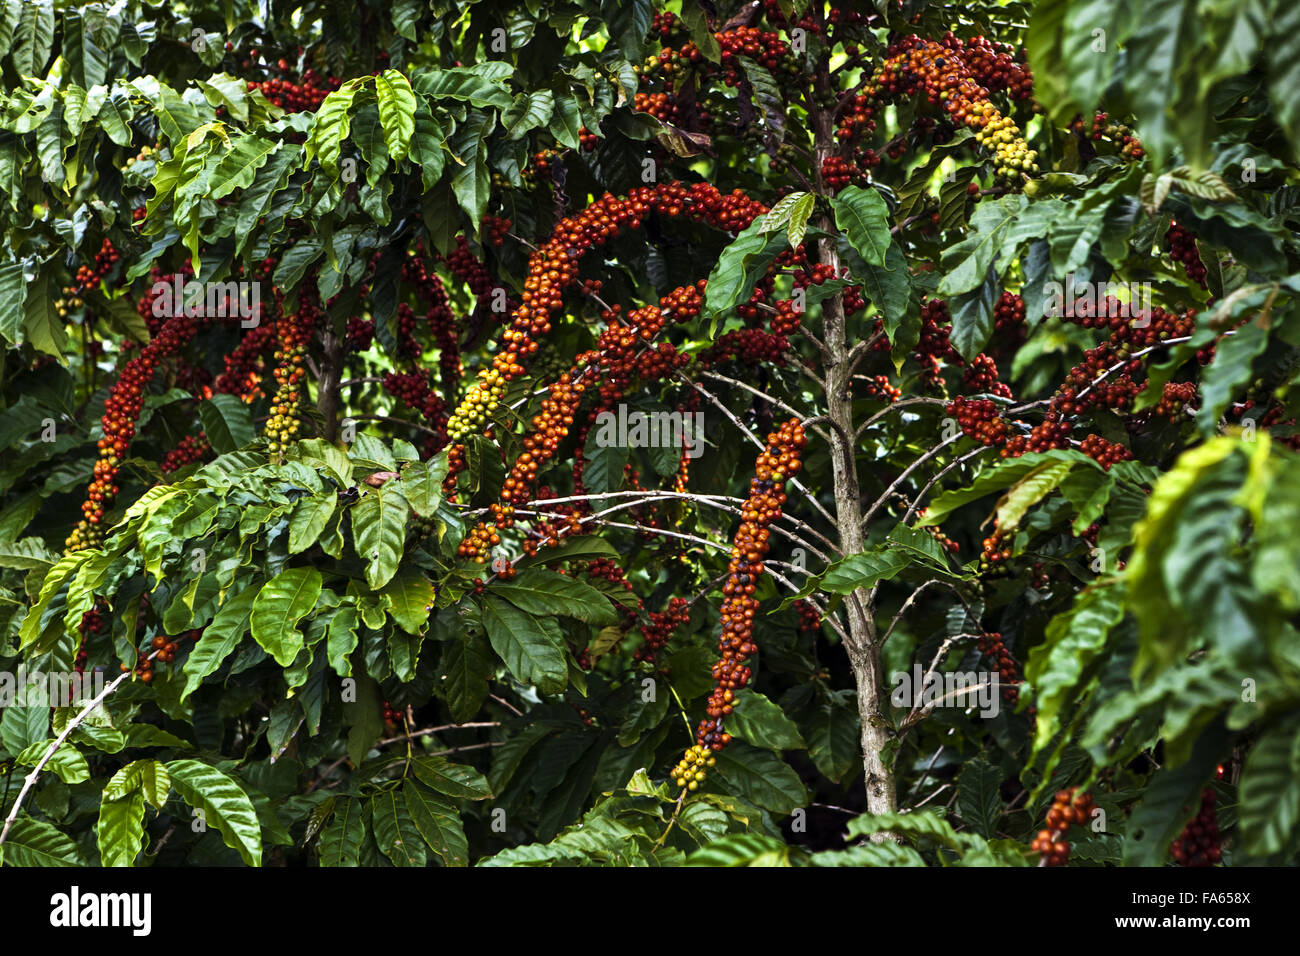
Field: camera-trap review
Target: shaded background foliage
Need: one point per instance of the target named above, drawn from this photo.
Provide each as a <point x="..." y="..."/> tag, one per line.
<point x="330" y="685"/>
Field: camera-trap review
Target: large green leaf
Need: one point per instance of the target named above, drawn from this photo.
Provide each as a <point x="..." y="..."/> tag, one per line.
<point x="227" y="423"/>
<point x="395" y="831"/>
<point x="35" y="843"/>
<point x="1270" y="790"/>
<point x="340" y="841"/>
<point x="438" y="822"/>
<point x="762" y="723"/>
<point x="862" y="216"/>
<point x="532" y="648"/>
<point x="119" y="831"/>
<point x="453" y="779"/>
<point x="543" y="592"/>
<point x="148" y="776"/>
<point x="761" y="777"/>
<point x="223" y="804"/>
<point x="281" y="603"/>
<point x="379" y="530"/>
<point x="219" y="638"/>
<point x="410" y="599"/>
<point x="396" y="112"/>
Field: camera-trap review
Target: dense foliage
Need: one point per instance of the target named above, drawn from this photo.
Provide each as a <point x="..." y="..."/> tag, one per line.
<point x="590" y="432"/>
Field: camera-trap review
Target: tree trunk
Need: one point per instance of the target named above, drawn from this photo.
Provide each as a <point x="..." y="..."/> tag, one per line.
<point x="863" y="649"/>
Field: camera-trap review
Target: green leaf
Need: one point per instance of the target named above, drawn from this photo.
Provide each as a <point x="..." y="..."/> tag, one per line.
<point x="761" y="777"/>
<point x="119" y="831"/>
<point x="532" y="648"/>
<point x="422" y="484"/>
<point x="978" y="799"/>
<point x="966" y="265"/>
<point x="223" y="803"/>
<point x="861" y="215"/>
<point x="395" y="831"/>
<point x="396" y="112"/>
<point x="147" y="776"/>
<point x="410" y="596"/>
<point x="13" y="293"/>
<point x="923" y="824"/>
<point x="543" y="593"/>
<point x="33" y="38"/>
<point x="379" y="530"/>
<point x="219" y="638"/>
<point x="42" y="326"/>
<point x="466" y="668"/>
<point x="887" y="853"/>
<point x="762" y="723"/>
<point x="453" y="779"/>
<point x="438" y="823"/>
<point x="330" y="128"/>
<point x="35" y="843"/>
<point x="1075" y="641"/>
<point x="471" y="182"/>
<point x="1270" y="790"/>
<point x="310" y="515"/>
<point x="848" y="574"/>
<point x="67" y="762"/>
<point x="528" y="112"/>
<point x="742" y="849"/>
<point x="340" y="841"/>
<point x="742" y="264"/>
<point x="227" y="423"/>
<point x="1228" y="372"/>
<point x="25" y="554"/>
<point x="281" y="603"/>
<point x="1028" y="491"/>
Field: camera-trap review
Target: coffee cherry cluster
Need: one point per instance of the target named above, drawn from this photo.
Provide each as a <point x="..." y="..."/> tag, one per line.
<point x="748" y="347"/>
<point x="766" y="48"/>
<point x="992" y="647"/>
<point x="1182" y="248"/>
<point x="121" y="410"/>
<point x="554" y="267"/>
<point x="661" y="628"/>
<point x="994" y="65"/>
<point x="88" y="277"/>
<point x="934" y="348"/>
<point x="191" y="449"/>
<point x="1198" y="844"/>
<point x="1175" y="399"/>
<point x="392" y="716"/>
<point x="981" y="375"/>
<point x="477" y="544"/>
<point x="301" y="97"/>
<point x="1105" y="453"/>
<point x="810" y="621"/>
<point x="168" y="646"/>
<point x="979" y="419"/>
<point x="780" y="460"/>
<point x="944" y="75"/>
<point x="880" y="388"/>
<point x="295" y="332"/>
<point x="245" y="366"/>
<point x="1068" y="808"/>
<point x="1103" y="128"/>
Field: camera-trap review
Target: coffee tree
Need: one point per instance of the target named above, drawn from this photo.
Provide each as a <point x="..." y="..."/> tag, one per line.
<point x="602" y="433"/>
